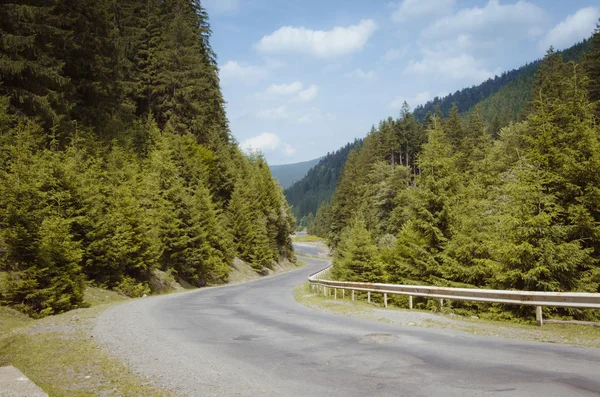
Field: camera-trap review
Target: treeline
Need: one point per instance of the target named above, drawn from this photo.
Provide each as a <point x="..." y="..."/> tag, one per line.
<point x="520" y="81"/>
<point x="115" y="155"/>
<point x="519" y="212"/>
<point x="501" y="100"/>
<point x="317" y="187"/>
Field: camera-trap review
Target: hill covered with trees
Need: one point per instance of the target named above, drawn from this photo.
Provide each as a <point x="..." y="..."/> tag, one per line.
<point x="116" y="158"/>
<point x="318" y="185"/>
<point x="500" y="100"/>
<point x="288" y="174"/>
<point x="518" y="212"/>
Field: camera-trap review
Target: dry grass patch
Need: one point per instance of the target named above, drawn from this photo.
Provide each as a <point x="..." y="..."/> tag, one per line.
<point x="59" y="354"/>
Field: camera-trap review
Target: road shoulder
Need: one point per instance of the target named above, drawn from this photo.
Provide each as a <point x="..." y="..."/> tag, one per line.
<point x="572" y="334"/>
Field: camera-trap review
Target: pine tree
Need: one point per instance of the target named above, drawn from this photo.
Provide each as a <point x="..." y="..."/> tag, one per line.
<point x="592" y="67"/>
<point x="31" y="73"/>
<point x="357" y="257"/>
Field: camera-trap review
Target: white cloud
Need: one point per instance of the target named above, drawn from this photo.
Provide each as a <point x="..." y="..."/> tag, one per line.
<point x="267" y="142"/>
<point x="361" y="74"/>
<point x="419" y="99"/>
<point x="456" y="47"/>
<point x="308" y="94"/>
<point x="294" y="90"/>
<point x="521" y="19"/>
<point x="313" y="115"/>
<point x="574" y="28"/>
<point x="324" y="44"/>
<point x="288" y="150"/>
<point x="234" y="71"/>
<point x="463" y="67"/>
<point x="394" y="54"/>
<point x="278" y="113"/>
<point x="413" y="9"/>
<point x="284" y="89"/>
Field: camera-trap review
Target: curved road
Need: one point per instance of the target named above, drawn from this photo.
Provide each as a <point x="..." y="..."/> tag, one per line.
<point x="253" y="339"/>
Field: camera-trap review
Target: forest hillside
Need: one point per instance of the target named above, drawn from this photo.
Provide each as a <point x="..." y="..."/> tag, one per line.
<point x="444" y="202"/>
<point x="500" y="100"/>
<point x="288" y="174"/>
<point x="116" y="159"/>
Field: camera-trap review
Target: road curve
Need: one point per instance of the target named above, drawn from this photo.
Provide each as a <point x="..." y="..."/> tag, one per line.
<point x="253" y="339"/>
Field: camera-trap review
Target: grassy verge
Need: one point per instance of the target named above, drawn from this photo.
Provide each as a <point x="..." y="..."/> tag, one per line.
<point x="573" y="334"/>
<point x="306" y="239"/>
<point x="300" y="263"/>
<point x="59" y="354"/>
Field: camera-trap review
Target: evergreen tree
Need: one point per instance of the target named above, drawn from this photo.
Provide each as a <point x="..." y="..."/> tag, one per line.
<point x="31" y="73"/>
<point x="357" y="257"/>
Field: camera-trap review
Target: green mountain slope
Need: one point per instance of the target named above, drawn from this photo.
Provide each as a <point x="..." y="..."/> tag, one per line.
<point x="519" y="212"/>
<point x="501" y="100"/>
<point x="287" y="174"/>
<point x="317" y="187"/>
<point x="519" y="82"/>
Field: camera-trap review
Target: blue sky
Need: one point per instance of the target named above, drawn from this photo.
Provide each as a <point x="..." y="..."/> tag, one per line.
<point x="302" y="78"/>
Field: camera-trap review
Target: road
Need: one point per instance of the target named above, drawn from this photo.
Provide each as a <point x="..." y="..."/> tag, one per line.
<point x="254" y="339"/>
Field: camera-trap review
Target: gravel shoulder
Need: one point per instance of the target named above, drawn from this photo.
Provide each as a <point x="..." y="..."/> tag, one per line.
<point x="254" y="339"/>
<point x="572" y="334"/>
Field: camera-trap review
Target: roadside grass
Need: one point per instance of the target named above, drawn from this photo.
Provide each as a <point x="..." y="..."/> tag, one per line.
<point x="573" y="334"/>
<point x="95" y="296"/>
<point x="306" y="239"/>
<point x="59" y="353"/>
<point x="11" y="319"/>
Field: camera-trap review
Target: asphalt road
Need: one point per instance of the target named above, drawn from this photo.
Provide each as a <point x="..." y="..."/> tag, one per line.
<point x="253" y="339"/>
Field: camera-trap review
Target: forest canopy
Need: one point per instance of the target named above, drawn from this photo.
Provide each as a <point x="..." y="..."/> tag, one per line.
<point x="116" y="157"/>
<point x="445" y="202"/>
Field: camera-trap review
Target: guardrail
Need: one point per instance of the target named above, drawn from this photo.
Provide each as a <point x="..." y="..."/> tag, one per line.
<point x="528" y="298"/>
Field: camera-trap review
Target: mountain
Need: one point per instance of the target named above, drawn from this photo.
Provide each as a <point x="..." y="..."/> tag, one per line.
<point x="317" y="187"/>
<point x="510" y="91"/>
<point x="500" y="99"/>
<point x="287" y="174"/>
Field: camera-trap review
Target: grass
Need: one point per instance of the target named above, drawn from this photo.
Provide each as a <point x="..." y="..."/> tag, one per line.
<point x="306" y="239"/>
<point x="59" y="354"/>
<point x="573" y="334"/>
<point x="300" y="263"/>
<point x="97" y="296"/>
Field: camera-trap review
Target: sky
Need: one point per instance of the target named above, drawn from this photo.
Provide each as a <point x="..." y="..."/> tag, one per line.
<point x="303" y="78"/>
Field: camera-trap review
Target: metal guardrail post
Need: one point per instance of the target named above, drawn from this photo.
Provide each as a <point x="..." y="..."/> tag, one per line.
<point x="510" y="297"/>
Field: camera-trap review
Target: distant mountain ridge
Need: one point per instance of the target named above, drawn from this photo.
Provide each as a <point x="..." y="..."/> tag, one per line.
<point x="317" y="187"/>
<point x="287" y="174"/>
<point x="520" y="79"/>
<point x="501" y="100"/>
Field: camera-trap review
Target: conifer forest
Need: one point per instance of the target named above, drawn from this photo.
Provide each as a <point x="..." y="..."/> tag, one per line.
<point x="447" y="202"/>
<point x="116" y="159"/>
